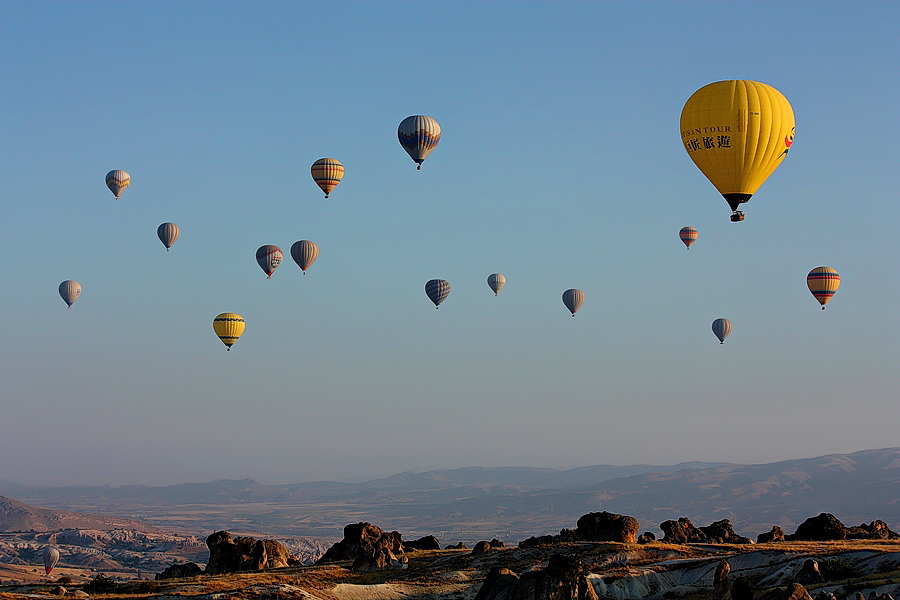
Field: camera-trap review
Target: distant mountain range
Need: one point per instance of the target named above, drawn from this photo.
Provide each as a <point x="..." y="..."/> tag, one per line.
<point x="512" y="502"/>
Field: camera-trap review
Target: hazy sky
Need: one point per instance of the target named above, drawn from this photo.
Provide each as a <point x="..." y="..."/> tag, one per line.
<point x="560" y="166"/>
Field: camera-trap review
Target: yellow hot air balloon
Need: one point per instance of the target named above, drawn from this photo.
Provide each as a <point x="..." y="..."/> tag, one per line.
<point x="327" y="173"/>
<point x="229" y="327"/>
<point x="737" y="132"/>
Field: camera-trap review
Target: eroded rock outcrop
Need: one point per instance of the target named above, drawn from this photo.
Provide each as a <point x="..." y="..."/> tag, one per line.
<point x="876" y="530"/>
<point x="683" y="531"/>
<point x="809" y="573"/>
<point x="244" y="553"/>
<point x="564" y="578"/>
<point x="822" y="528"/>
<point x="607" y="527"/>
<point x="180" y="571"/>
<point x="775" y="535"/>
<point x="429" y="542"/>
<point x="364" y="542"/>
<point x="721" y="532"/>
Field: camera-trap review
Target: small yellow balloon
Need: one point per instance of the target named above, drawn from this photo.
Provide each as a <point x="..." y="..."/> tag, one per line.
<point x="229" y="327"/>
<point x="737" y="132"/>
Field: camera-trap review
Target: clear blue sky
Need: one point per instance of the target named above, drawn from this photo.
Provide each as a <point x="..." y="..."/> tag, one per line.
<point x="560" y="166"/>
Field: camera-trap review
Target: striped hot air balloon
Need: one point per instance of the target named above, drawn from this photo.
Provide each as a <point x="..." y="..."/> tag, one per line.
<point x="688" y="235"/>
<point x="573" y="299"/>
<point x="269" y="257"/>
<point x="167" y="234"/>
<point x="823" y="282"/>
<point x="229" y="327"/>
<point x="419" y="135"/>
<point x="51" y="557"/>
<point x="437" y="291"/>
<point x="117" y="181"/>
<point x="737" y="132"/>
<point x="304" y="254"/>
<point x="70" y="290"/>
<point x="721" y="327"/>
<point x="496" y="281"/>
<point x="327" y="173"/>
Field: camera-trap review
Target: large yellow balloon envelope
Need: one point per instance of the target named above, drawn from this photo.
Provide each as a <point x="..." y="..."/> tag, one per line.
<point x="229" y="327"/>
<point x="737" y="132"/>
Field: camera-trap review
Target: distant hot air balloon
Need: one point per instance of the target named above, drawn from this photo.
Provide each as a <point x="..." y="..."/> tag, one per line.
<point x="496" y="282"/>
<point x="269" y="257"/>
<point x="721" y="327"/>
<point x="117" y="181"/>
<point x="167" y="233"/>
<point x="304" y="254"/>
<point x="437" y="290"/>
<point x="737" y="132"/>
<point x="688" y="235"/>
<point x="327" y="173"/>
<point x="229" y="327"/>
<point x="70" y="290"/>
<point x="823" y="282"/>
<point x="573" y="299"/>
<point x="419" y="135"/>
<point x="51" y="557"/>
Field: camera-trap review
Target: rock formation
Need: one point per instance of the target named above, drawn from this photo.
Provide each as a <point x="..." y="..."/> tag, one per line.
<point x="721" y="532"/>
<point x="776" y="535"/>
<point x="481" y="547"/>
<point x="809" y="574"/>
<point x="822" y="528"/>
<point x="429" y="542"/>
<point x="458" y="546"/>
<point x="563" y="579"/>
<point x="876" y="530"/>
<point x="683" y="531"/>
<point x="364" y="541"/>
<point x="244" y="553"/>
<point x="607" y="527"/>
<point x="646" y="538"/>
<point x="722" y="581"/>
<point x="180" y="571"/>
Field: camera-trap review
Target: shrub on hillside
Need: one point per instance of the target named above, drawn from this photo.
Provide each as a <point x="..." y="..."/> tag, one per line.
<point x="833" y="569"/>
<point x="100" y="584"/>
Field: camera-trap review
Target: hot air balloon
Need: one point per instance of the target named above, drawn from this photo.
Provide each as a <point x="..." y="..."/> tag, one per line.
<point x="823" y="282"/>
<point x="419" y="135"/>
<point x="167" y="233"/>
<point x="496" y="281"/>
<point x="304" y="254"/>
<point x="117" y="181"/>
<point x="51" y="557"/>
<point x="688" y="235"/>
<point x="721" y="327"/>
<point x="229" y="327"/>
<point x="437" y="290"/>
<point x="327" y="173"/>
<point x="70" y="290"/>
<point x="573" y="299"/>
<point x="269" y="257"/>
<point x="737" y="132"/>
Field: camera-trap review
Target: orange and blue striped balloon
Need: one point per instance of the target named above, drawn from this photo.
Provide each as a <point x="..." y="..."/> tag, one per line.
<point x="823" y="282"/>
<point x="688" y="235"/>
<point x="327" y="173"/>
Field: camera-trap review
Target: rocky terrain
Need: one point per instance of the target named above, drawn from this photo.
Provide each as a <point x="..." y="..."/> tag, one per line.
<point x="601" y="558"/>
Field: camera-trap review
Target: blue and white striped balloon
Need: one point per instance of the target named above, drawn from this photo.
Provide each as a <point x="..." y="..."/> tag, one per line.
<point x="419" y="135"/>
